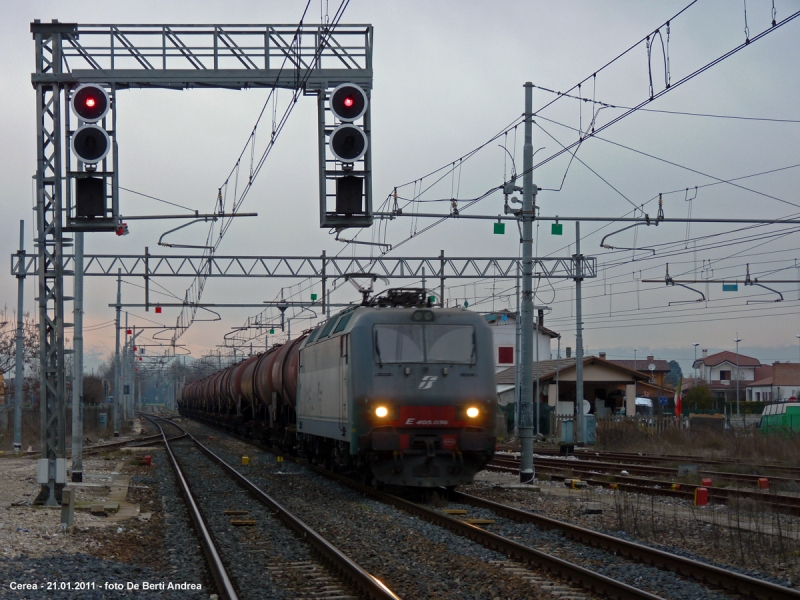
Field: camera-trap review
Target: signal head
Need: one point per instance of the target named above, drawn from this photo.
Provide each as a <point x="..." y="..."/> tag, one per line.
<point x="348" y="143"/>
<point x="90" y="144"/>
<point x="348" y="102"/>
<point x="90" y="102"/>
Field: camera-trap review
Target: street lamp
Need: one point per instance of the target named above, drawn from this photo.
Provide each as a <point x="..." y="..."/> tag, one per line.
<point x="737" y="340"/>
<point x="798" y="344"/>
<point x="635" y="350"/>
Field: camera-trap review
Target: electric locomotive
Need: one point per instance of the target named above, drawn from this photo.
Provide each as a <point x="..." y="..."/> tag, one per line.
<point x="394" y="389"/>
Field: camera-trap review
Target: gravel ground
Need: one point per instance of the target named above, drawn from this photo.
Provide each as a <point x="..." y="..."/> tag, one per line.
<point x="691" y="536"/>
<point x="657" y="581"/>
<point x="414" y="558"/>
<point x="100" y="556"/>
<point x="263" y="561"/>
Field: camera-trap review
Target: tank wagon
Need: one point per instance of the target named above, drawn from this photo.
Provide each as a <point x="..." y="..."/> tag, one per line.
<point x="395" y="390"/>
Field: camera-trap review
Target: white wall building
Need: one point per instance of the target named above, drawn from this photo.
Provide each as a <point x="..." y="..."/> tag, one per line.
<point x="504" y="330"/>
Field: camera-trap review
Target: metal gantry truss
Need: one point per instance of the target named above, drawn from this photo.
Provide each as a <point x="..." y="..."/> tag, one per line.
<point x="210" y="56"/>
<point x="307" y="57"/>
<point x="330" y="267"/>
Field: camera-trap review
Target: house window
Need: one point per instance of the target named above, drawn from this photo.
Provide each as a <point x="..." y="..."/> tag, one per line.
<point x="758" y="396"/>
<point x="724" y="375"/>
<point x="505" y="355"/>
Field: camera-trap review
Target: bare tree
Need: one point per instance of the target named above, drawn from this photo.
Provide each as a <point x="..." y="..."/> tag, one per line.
<point x="8" y="340"/>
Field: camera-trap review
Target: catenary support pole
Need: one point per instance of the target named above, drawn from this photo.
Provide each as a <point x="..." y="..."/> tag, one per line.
<point x="580" y="423"/>
<point x="117" y="365"/>
<point x="125" y="369"/>
<point x="517" y="363"/>
<point x="325" y="303"/>
<point x="536" y="389"/>
<point x="19" y="367"/>
<point x="526" y="471"/>
<point x="77" y="381"/>
<point x="441" y="280"/>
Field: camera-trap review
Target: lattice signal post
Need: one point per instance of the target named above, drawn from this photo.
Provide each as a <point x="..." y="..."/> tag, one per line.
<point x="314" y="58"/>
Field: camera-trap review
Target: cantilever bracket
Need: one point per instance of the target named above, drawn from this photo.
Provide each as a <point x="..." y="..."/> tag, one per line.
<point x="669" y="281"/>
<point x="754" y="282"/>
<point x="648" y="222"/>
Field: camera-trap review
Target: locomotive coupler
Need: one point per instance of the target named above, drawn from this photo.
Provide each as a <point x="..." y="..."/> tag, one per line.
<point x="398" y="462"/>
<point x="458" y="461"/>
<point x="430" y="448"/>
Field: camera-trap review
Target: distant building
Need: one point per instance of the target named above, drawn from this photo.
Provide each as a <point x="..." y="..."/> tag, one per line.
<point x="504" y="330"/>
<point x="655" y="375"/>
<point x="722" y="370"/>
<point x="608" y="387"/>
<point x="777" y="383"/>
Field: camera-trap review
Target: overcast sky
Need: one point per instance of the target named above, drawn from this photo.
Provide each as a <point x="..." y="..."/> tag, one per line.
<point x="447" y="77"/>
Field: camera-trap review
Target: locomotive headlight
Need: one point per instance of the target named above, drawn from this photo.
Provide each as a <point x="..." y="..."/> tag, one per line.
<point x="381" y="411"/>
<point x="473" y="412"/>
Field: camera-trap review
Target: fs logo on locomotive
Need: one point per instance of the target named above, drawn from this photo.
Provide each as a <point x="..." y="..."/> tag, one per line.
<point x="427" y="382"/>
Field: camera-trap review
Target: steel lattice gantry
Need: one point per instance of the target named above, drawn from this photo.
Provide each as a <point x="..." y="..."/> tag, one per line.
<point x="435" y="267"/>
<point x="311" y="57"/>
<point x="209" y="56"/>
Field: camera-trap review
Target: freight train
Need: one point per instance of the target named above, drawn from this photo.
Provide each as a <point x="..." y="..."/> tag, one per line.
<point x="394" y="390"/>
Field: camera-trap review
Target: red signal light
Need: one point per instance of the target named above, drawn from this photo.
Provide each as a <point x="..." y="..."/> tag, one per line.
<point x="349" y="101"/>
<point x="90" y="102"/>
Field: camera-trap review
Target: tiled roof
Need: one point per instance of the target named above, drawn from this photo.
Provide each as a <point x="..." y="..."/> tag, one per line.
<point x="641" y="364"/>
<point x="547" y="368"/>
<point x="762" y="372"/>
<point x="761" y="382"/>
<point x="720" y="357"/>
<point x="786" y="374"/>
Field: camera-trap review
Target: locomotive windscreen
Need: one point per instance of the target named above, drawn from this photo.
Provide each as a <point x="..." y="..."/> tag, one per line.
<point x="453" y="344"/>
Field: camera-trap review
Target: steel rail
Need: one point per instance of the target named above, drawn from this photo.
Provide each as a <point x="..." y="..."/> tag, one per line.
<point x="369" y="584"/>
<point x="773" y="467"/>
<point x="101" y="447"/>
<point x="588" y="579"/>
<point x="684" y="566"/>
<point x="589" y="465"/>
<point x="653" y="487"/>
<point x="224" y="585"/>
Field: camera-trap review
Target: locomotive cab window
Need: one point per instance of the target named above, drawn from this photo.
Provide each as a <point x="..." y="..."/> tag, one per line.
<point x="343" y="323"/>
<point x="313" y="335"/>
<point x="451" y="344"/>
<point x="327" y="328"/>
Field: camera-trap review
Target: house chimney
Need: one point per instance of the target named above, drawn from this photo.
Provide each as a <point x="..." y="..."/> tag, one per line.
<point x="650" y="358"/>
<point x="569" y="352"/>
<point x="603" y="355"/>
<point x="705" y="353"/>
<point x="541" y="317"/>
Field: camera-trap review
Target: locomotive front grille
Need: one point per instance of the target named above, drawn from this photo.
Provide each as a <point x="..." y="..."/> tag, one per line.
<point x="423" y="440"/>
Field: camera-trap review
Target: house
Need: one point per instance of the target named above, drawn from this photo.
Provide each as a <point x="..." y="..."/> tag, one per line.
<point x="607" y="387"/>
<point x="660" y="368"/>
<point x="777" y="383"/>
<point x="722" y="371"/>
<point x="504" y="331"/>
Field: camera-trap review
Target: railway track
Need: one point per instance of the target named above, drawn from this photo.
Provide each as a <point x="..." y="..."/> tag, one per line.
<point x="95" y="448"/>
<point x="589" y="580"/>
<point x="771" y="469"/>
<point x="258" y="548"/>
<point x="594" y="474"/>
<point x="723" y="578"/>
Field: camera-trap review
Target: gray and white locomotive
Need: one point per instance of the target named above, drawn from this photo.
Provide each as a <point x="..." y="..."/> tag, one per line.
<point x="399" y="391"/>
